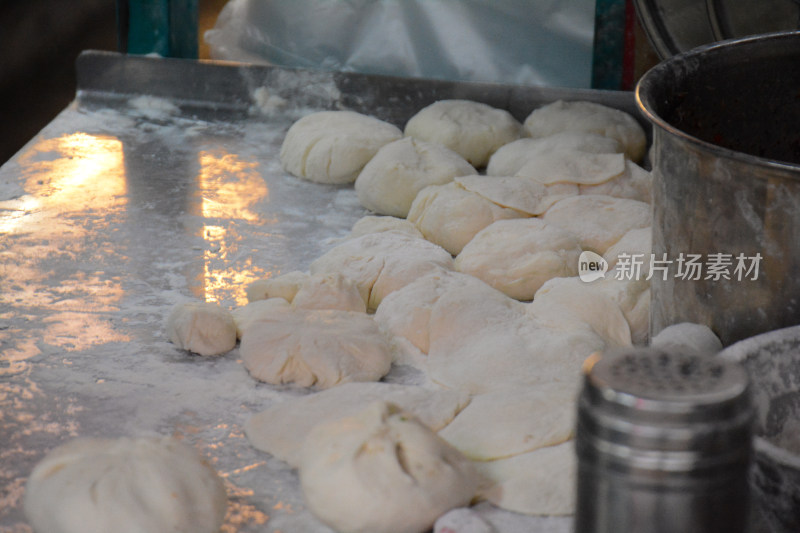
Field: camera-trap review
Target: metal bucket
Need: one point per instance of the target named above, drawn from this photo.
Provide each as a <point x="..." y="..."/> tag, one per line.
<point x="726" y="165"/>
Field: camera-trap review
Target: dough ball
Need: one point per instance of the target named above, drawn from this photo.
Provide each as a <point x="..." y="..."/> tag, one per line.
<point x="585" y="302"/>
<point x="515" y="355"/>
<point x="467" y="306"/>
<point x="391" y="180"/>
<point x="509" y="159"/>
<point x="249" y="314"/>
<point x="517" y="256"/>
<point x="482" y="341"/>
<point x="541" y="482"/>
<point x="319" y="348"/>
<point x="635" y="183"/>
<point x="599" y="221"/>
<point x="281" y="429"/>
<point x="125" y="485"/>
<point x="330" y="291"/>
<point x="512" y="421"/>
<point x="561" y="116"/>
<point x="333" y="146"/>
<point x="383" y="471"/>
<point x="686" y="337"/>
<point x="283" y="286"/>
<point x="450" y="216"/>
<point x="406" y="313"/>
<point x="380" y="263"/>
<point x="378" y="224"/>
<point x="472" y="129"/>
<point x="203" y="328"/>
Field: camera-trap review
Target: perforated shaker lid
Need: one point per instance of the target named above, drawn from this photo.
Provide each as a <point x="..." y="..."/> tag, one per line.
<point x="661" y="410"/>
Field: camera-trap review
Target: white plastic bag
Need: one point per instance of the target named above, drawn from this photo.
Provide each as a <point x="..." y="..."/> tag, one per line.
<point x="540" y="42"/>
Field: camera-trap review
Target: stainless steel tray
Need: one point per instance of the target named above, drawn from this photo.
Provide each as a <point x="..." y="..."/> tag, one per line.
<point x="160" y="184"/>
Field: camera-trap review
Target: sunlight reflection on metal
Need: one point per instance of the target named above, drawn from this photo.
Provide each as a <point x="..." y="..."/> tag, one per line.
<point x="229" y="187"/>
<point x="77" y="171"/>
<point x="69" y="181"/>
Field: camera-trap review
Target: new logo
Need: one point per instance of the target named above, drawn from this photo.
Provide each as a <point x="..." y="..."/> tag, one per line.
<point x="591" y="266"/>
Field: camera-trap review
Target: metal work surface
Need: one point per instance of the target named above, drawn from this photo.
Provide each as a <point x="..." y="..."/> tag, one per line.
<point x="161" y="184"/>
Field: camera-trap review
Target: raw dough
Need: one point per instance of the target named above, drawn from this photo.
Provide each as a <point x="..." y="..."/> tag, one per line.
<point x="509" y="159"/>
<point x="391" y="180"/>
<point x="571" y="166"/>
<point x="383" y="471"/>
<point x="561" y="116"/>
<point x="320" y="348"/>
<point x="517" y="256"/>
<point x="329" y="291"/>
<point x="480" y="344"/>
<point x="472" y="129"/>
<point x="283" y="286"/>
<point x="512" y="421"/>
<point x="526" y="196"/>
<point x="92" y="485"/>
<point x="450" y="216"/>
<point x="686" y="337"/>
<point x="333" y="146"/>
<point x="203" y="328"/>
<point x="541" y="482"/>
<point x="249" y="314"/>
<point x="380" y="263"/>
<point x="599" y="221"/>
<point x="633" y="297"/>
<point x="282" y="428"/>
<point x="406" y="313"/>
<point x="585" y="302"/>
<point x="378" y="224"/>
<point x="637" y="244"/>
<point x="462" y="520"/>
<point x="635" y="183"/>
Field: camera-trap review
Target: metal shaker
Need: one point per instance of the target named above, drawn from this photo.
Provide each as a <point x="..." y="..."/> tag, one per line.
<point x="664" y="443"/>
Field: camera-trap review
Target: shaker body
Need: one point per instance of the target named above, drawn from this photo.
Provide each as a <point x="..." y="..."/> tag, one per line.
<point x="664" y="443"/>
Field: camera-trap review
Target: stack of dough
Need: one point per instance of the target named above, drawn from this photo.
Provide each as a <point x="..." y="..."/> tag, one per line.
<point x="473" y="281"/>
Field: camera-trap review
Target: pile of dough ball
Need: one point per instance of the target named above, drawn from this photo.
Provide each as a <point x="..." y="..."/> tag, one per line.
<point x="466" y="269"/>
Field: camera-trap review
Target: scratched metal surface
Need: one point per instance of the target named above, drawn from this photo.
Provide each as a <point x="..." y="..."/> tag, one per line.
<point x="160" y="184"/>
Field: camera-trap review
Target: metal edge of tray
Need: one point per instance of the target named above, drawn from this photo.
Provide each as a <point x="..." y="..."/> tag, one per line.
<point x="227" y="87"/>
